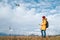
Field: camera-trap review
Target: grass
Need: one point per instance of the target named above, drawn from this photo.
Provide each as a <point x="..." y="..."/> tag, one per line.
<point x="29" y="38"/>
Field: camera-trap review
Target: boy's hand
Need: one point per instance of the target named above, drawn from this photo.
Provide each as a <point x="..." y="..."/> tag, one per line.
<point x="40" y="24"/>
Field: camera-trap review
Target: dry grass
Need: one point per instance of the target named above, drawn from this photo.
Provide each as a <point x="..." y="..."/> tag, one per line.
<point x="28" y="38"/>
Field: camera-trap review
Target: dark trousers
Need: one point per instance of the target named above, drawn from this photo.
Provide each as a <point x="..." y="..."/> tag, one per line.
<point x="43" y="32"/>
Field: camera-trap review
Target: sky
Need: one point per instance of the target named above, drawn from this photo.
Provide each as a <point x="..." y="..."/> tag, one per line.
<point x="25" y="18"/>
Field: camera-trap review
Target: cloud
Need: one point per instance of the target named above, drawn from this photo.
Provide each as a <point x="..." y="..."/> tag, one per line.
<point x="53" y="11"/>
<point x="54" y="24"/>
<point x="25" y="19"/>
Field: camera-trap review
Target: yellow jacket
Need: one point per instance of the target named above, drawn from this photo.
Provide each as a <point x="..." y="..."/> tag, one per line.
<point x="43" y="24"/>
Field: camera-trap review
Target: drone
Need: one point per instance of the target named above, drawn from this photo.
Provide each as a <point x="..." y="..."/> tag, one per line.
<point x="17" y="4"/>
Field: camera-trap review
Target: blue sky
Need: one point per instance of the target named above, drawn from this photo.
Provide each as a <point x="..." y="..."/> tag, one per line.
<point x="24" y="19"/>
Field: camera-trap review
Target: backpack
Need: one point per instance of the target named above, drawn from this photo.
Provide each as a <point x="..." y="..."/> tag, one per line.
<point x="47" y="24"/>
